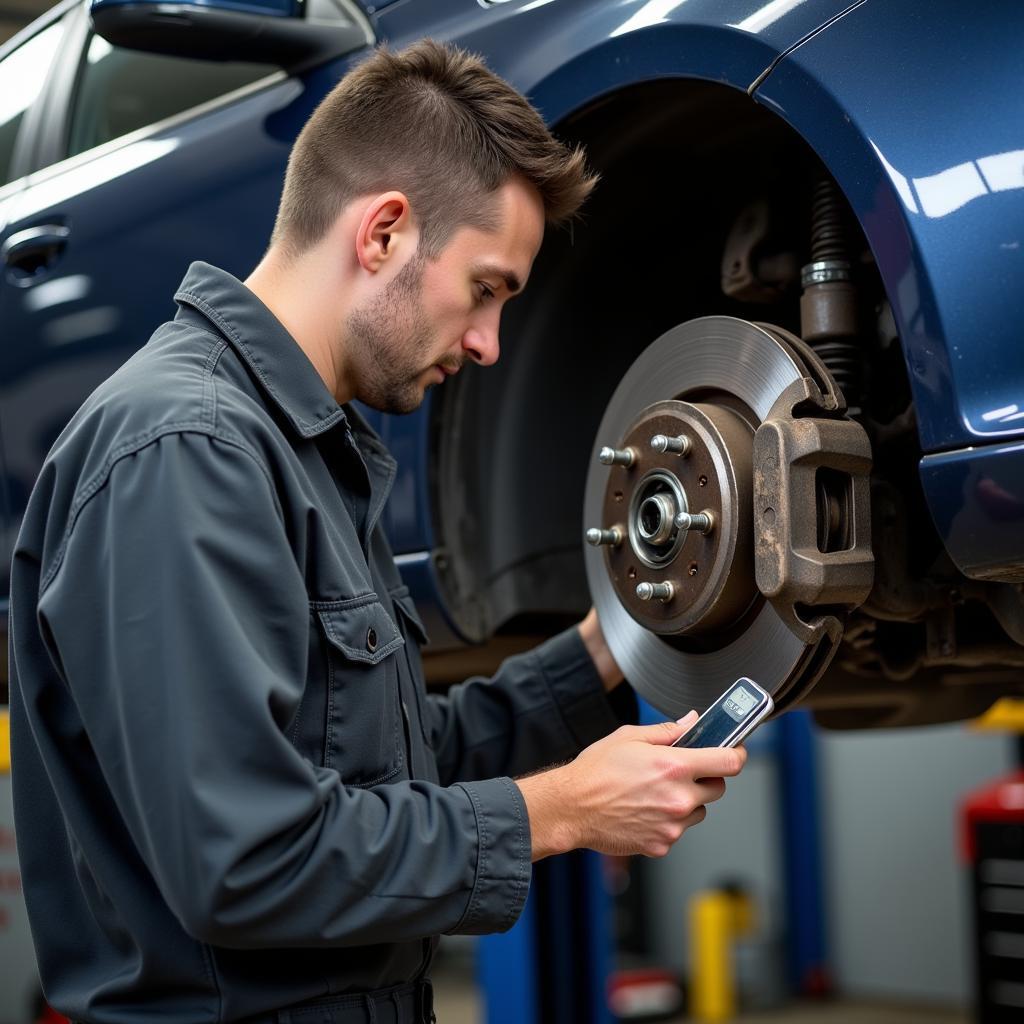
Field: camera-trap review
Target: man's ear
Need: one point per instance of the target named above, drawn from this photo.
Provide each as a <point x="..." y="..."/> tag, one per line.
<point x="385" y="231"/>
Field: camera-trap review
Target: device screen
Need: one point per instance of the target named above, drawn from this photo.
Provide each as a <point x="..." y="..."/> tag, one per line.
<point x="720" y="721"/>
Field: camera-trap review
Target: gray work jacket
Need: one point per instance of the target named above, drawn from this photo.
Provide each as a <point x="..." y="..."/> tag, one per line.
<point x="232" y="791"/>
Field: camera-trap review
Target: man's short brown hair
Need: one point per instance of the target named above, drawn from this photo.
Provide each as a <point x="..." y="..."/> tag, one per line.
<point x="434" y="122"/>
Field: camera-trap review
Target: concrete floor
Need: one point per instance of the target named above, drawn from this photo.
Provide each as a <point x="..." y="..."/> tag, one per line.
<point x="457" y="1001"/>
<point x="858" y="1013"/>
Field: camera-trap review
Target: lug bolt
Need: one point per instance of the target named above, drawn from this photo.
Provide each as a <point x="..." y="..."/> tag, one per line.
<point x="617" y="456"/>
<point x="680" y="445"/>
<point x="655" y="591"/>
<point x="702" y="522"/>
<point x="612" y="537"/>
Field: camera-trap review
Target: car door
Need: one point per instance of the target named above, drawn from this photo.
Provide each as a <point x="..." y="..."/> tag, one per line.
<point x="26" y="64"/>
<point x="146" y="163"/>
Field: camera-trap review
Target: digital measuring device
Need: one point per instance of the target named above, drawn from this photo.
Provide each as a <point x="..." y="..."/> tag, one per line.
<point x="731" y="718"/>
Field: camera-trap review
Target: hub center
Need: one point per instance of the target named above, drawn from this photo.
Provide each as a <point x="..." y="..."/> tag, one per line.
<point x="678" y="517"/>
<point x="656" y="501"/>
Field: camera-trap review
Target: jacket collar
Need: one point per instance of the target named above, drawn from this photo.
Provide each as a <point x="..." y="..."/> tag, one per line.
<point x="282" y="368"/>
<point x="284" y="372"/>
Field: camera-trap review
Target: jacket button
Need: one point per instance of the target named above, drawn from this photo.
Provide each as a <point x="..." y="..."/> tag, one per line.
<point x="371" y="640"/>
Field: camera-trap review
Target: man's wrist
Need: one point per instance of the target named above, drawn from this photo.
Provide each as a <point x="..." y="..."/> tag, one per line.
<point x="599" y="651"/>
<point x="550" y="812"/>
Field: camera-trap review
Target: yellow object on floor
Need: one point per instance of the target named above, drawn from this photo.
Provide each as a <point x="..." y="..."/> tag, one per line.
<point x="1006" y="715"/>
<point x="717" y="917"/>
<point x="5" y="742"/>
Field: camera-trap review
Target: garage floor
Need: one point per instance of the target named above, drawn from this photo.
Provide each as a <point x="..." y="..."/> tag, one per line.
<point x="457" y="1001"/>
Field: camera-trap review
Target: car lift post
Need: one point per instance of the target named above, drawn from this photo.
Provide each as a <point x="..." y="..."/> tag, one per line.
<point x="552" y="967"/>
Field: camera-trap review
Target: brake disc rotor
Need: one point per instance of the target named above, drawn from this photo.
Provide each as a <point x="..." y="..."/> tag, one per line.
<point x="704" y="386"/>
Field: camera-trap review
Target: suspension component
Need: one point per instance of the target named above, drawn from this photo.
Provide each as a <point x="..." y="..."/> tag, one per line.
<point x="756" y="267"/>
<point x="828" y="305"/>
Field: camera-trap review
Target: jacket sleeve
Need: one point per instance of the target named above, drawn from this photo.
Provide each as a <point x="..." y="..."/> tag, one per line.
<point x="180" y="622"/>
<point x="541" y="708"/>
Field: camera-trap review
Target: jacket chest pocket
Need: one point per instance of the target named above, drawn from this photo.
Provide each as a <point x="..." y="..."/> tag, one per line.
<point x="406" y="609"/>
<point x="363" y="739"/>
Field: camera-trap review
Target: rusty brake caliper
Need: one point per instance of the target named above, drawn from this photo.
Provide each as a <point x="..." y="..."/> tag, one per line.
<point x="812" y="549"/>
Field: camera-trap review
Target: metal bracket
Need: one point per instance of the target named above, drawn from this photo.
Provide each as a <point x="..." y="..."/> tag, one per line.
<point x="800" y="561"/>
<point x="750" y="272"/>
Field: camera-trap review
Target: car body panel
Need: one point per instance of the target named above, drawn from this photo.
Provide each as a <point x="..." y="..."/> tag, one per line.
<point x="564" y="54"/>
<point x="408" y="517"/>
<point x="372" y="8"/>
<point x="420" y="574"/>
<point x="937" y="188"/>
<point x="976" y="496"/>
<point x="274" y="8"/>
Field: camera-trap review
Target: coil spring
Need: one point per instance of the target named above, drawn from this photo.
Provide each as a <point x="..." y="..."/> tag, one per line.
<point x="828" y="228"/>
<point x="843" y="360"/>
<point x="829" y="241"/>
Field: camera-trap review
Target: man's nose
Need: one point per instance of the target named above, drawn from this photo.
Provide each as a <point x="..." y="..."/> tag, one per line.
<point x="481" y="345"/>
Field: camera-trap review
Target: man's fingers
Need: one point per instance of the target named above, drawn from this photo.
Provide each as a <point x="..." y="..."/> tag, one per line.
<point x="710" y="790"/>
<point x="686" y="722"/>
<point x="664" y="733"/>
<point x="695" y="817"/>
<point x="713" y="762"/>
<point x="661" y="733"/>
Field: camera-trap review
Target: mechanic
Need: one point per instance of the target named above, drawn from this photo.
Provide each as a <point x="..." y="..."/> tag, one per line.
<point x="235" y="799"/>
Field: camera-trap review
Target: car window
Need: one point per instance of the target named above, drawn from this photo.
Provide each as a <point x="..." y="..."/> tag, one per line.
<point x="121" y="90"/>
<point x="22" y="73"/>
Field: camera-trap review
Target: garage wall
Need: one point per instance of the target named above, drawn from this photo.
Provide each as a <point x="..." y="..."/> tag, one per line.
<point x="896" y="894"/>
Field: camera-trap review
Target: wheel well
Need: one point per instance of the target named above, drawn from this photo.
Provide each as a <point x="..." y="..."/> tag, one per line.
<point x="678" y="160"/>
<point x="682" y="164"/>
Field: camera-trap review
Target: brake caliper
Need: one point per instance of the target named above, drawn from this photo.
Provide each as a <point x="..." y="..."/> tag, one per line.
<point x="812" y="515"/>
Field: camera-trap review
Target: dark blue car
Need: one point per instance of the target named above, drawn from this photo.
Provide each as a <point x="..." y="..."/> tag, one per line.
<point x="791" y="315"/>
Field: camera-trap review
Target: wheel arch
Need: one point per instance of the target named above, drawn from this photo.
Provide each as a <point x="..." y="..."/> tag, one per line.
<point x="514" y="441"/>
<point x="927" y="152"/>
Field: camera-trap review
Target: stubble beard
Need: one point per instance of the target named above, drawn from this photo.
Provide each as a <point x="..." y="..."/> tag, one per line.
<point x="387" y="339"/>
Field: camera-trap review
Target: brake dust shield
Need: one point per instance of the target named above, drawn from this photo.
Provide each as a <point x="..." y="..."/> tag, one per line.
<point x="726" y="507"/>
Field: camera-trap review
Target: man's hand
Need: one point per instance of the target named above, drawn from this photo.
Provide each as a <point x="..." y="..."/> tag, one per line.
<point x="631" y="792"/>
<point x="597" y="648"/>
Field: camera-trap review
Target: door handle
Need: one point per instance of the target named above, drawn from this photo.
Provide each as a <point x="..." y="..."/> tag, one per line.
<point x="35" y="248"/>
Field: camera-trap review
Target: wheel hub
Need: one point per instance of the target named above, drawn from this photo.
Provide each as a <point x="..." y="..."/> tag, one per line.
<point x="684" y="480"/>
<point x="710" y="571"/>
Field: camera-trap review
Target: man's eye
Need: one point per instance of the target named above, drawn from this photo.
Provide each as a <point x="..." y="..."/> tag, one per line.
<point x="485" y="293"/>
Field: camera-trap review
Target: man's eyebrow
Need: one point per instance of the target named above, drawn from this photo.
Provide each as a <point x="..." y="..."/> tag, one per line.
<point x="491" y="270"/>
